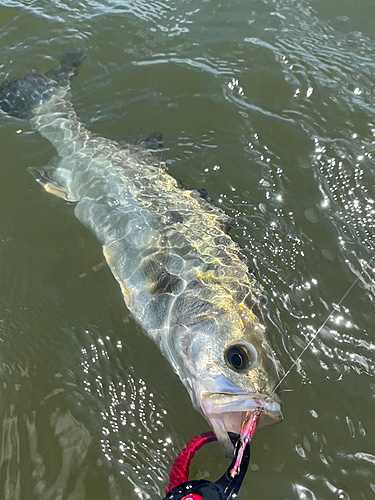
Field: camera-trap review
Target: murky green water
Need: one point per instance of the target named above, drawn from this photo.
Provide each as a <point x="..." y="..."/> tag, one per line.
<point x="269" y="105"/>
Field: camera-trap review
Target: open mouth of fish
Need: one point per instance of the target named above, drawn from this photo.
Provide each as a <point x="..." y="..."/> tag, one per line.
<point x="227" y="412"/>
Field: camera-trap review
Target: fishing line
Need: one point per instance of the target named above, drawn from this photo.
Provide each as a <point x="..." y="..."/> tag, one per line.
<point x="321" y="327"/>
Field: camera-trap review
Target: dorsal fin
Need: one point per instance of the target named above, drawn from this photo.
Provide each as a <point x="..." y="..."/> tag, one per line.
<point x="152" y="142"/>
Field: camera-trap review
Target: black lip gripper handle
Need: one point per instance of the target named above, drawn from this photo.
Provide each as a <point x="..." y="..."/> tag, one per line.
<point x="224" y="488"/>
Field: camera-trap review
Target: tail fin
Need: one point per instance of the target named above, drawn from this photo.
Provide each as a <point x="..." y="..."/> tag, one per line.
<point x="70" y="63"/>
<point x="19" y="97"/>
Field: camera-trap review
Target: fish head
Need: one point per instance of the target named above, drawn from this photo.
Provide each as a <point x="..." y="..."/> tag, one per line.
<point x="235" y="372"/>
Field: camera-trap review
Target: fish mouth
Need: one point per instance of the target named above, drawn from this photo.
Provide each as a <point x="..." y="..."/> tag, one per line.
<point x="227" y="412"/>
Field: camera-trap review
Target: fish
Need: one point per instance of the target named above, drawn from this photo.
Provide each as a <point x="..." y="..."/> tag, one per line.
<point x="185" y="281"/>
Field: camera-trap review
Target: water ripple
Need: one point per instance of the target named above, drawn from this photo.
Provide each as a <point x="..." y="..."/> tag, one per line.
<point x="269" y="108"/>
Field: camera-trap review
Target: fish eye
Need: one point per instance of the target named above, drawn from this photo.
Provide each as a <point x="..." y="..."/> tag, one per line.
<point x="239" y="357"/>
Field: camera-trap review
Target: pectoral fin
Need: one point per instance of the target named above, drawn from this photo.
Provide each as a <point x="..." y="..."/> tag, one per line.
<point x="46" y="178"/>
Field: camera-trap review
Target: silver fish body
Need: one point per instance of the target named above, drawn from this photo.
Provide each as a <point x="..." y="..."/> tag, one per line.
<point x="183" y="278"/>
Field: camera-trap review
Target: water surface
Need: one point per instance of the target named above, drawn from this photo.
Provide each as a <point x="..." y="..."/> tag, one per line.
<point x="268" y="105"/>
